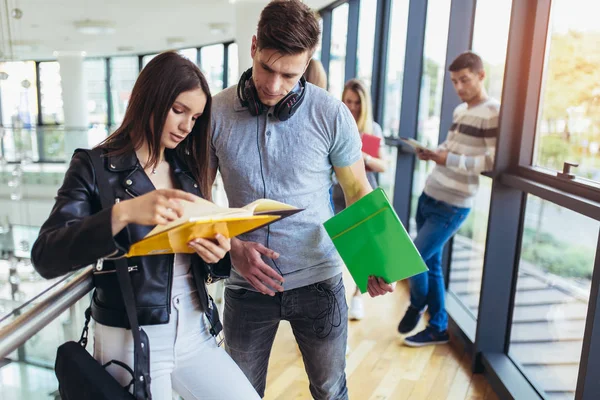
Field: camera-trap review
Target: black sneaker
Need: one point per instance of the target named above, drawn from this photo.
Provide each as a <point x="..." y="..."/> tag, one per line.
<point x="410" y="320"/>
<point x="427" y="337"/>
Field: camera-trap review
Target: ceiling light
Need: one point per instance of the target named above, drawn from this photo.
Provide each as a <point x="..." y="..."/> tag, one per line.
<point x="90" y="27"/>
<point x="218" y="28"/>
<point x="175" y="42"/>
<point x="125" y="48"/>
<point x="16" y="13"/>
<point x="24" y="45"/>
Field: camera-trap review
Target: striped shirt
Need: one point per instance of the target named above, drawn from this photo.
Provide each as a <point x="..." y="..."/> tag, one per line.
<point x="471" y="146"/>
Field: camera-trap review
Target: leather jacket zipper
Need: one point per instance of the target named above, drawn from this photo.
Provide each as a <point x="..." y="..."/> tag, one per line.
<point x="130" y="269"/>
<point x="170" y="285"/>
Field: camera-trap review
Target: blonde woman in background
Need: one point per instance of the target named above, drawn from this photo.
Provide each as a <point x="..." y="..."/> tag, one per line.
<point x="315" y="74"/>
<point x="357" y="99"/>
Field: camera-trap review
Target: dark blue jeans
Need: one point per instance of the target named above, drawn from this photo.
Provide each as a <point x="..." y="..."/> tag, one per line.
<point x="318" y="315"/>
<point x="437" y="221"/>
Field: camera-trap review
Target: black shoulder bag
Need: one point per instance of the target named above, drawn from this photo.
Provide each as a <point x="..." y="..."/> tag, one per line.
<point x="79" y="375"/>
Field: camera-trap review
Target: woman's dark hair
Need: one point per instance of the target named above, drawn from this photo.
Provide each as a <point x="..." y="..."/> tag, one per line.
<point x="164" y="78"/>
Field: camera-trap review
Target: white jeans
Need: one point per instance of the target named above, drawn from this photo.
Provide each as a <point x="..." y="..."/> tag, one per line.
<point x="183" y="357"/>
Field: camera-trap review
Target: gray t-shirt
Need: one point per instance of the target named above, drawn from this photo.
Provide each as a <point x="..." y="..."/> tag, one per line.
<point x="291" y="162"/>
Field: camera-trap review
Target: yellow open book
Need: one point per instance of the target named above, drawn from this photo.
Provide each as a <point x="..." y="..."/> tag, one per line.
<point x="203" y="219"/>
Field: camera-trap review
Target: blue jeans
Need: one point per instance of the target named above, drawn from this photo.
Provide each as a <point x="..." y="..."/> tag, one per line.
<point x="437" y="221"/>
<point x="318" y="315"/>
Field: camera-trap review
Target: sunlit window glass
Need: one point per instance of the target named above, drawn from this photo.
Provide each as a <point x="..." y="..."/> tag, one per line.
<point x="211" y="58"/>
<point x="569" y="121"/>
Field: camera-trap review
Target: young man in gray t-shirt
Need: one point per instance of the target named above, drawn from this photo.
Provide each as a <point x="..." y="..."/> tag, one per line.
<point x="277" y="137"/>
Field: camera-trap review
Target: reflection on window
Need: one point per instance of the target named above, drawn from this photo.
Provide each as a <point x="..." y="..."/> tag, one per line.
<point x="123" y="73"/>
<point x="337" y="63"/>
<point x="95" y="77"/>
<point x="366" y="41"/>
<point x="51" y="93"/>
<point x="569" y="122"/>
<point x="395" y="67"/>
<point x="553" y="290"/>
<point x="191" y="54"/>
<point x="490" y="38"/>
<point x="233" y="74"/>
<point x="468" y="249"/>
<point x="18" y="93"/>
<point x="432" y="84"/>
<point x="211" y="58"/>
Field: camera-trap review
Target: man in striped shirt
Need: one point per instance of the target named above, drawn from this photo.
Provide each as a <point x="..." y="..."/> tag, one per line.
<point x="449" y="192"/>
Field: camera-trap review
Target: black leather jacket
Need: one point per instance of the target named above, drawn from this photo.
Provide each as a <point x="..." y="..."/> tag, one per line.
<point x="78" y="232"/>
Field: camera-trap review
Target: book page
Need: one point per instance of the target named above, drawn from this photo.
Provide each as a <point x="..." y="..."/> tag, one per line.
<point x="414" y="144"/>
<point x="200" y="210"/>
<point x="266" y="205"/>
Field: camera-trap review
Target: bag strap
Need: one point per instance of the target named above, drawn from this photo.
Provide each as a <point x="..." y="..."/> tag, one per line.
<point x="141" y="353"/>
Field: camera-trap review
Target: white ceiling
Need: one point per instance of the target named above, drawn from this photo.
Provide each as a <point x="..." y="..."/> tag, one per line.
<point x="47" y="26"/>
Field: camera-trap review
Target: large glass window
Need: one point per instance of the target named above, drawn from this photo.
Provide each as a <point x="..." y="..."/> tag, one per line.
<point x="468" y="250"/>
<point x="191" y="54"/>
<point x="552" y="294"/>
<point x="147" y="58"/>
<point x="337" y="61"/>
<point x="123" y="73"/>
<point x="51" y="93"/>
<point x="366" y="41"/>
<point x="212" y="61"/>
<point x="432" y="84"/>
<point x="319" y="48"/>
<point x="18" y="93"/>
<point x="393" y="88"/>
<point x="395" y="67"/>
<point x="490" y="38"/>
<point x="95" y="78"/>
<point x="569" y="121"/>
<point x="233" y="74"/>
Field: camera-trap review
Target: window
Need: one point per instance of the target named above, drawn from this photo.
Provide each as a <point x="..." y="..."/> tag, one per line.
<point x="490" y="38"/>
<point x="233" y="74"/>
<point x="552" y="294"/>
<point x="337" y="63"/>
<point x="212" y="61"/>
<point x="191" y="54"/>
<point x="366" y="41"/>
<point x="568" y="126"/>
<point x="319" y="48"/>
<point x="147" y="58"/>
<point x="123" y="73"/>
<point x="51" y="93"/>
<point x="95" y="78"/>
<point x="468" y="250"/>
<point x="18" y="93"/>
<point x="432" y="84"/>
<point x="395" y="67"/>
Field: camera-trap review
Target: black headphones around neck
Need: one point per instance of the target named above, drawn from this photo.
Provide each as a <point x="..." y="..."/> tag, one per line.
<point x="283" y="110"/>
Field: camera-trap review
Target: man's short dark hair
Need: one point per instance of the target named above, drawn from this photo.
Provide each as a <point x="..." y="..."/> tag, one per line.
<point x="468" y="59"/>
<point x="288" y="26"/>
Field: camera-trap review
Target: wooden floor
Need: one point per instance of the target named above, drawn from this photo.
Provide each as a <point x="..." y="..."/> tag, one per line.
<point x="378" y="366"/>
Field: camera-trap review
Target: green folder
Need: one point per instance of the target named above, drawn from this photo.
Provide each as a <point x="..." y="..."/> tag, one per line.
<point x="372" y="241"/>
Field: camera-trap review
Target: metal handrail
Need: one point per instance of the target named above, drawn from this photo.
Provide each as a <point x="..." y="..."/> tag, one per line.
<point x="16" y="333"/>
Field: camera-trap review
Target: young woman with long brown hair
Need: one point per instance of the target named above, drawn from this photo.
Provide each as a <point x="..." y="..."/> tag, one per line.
<point x="157" y="157"/>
